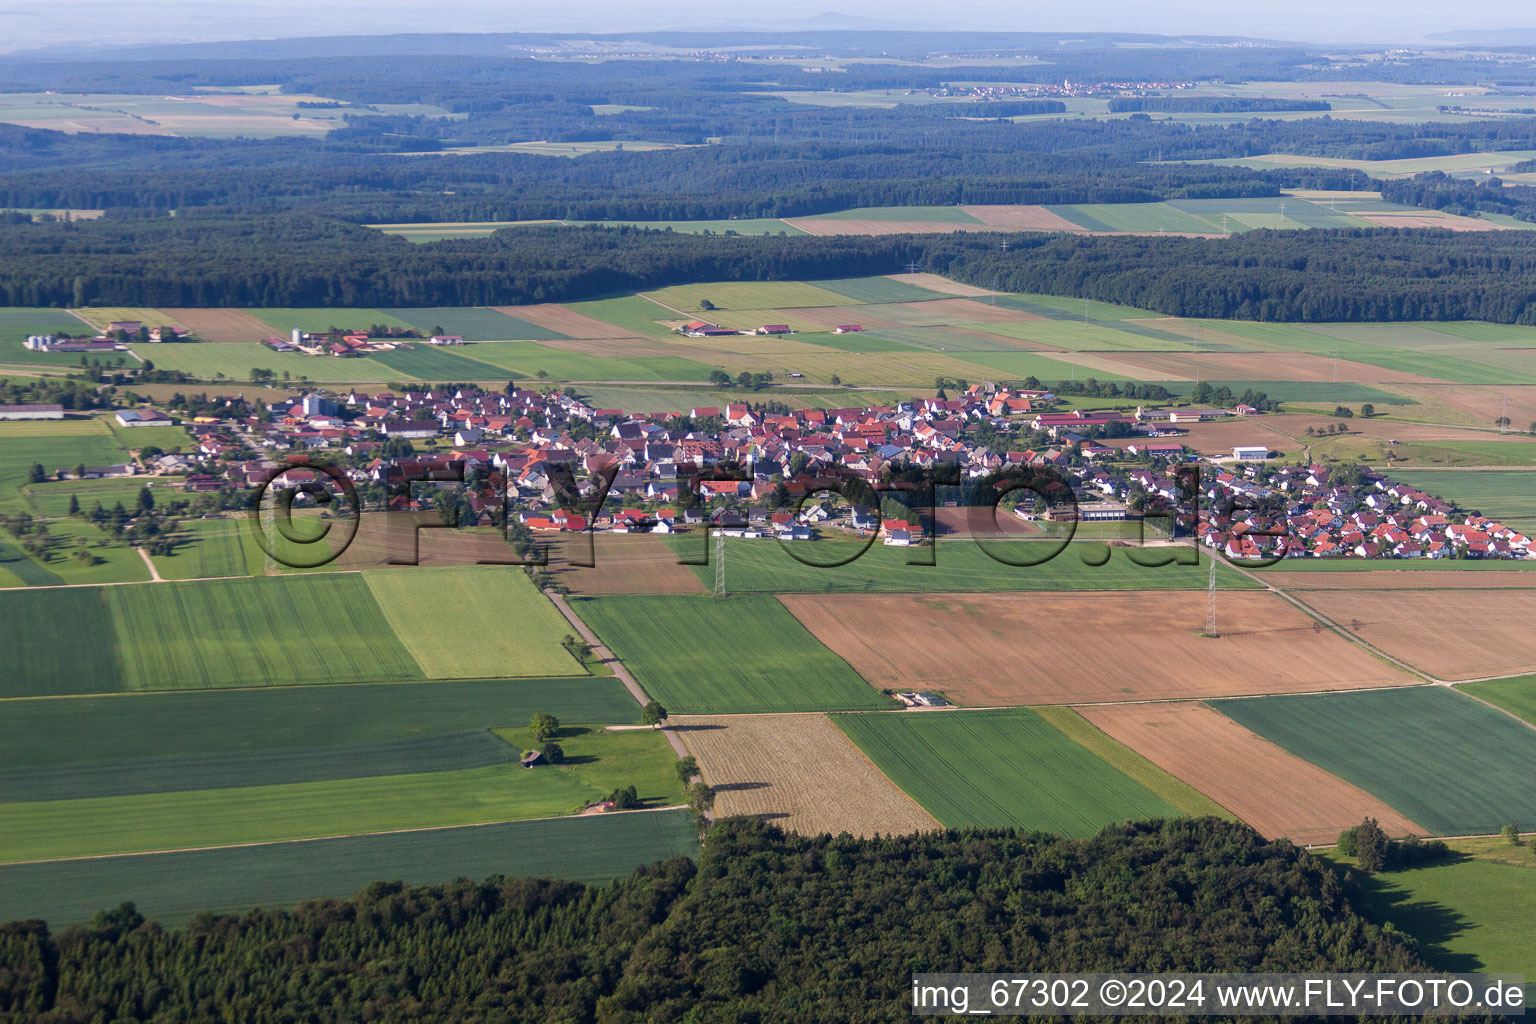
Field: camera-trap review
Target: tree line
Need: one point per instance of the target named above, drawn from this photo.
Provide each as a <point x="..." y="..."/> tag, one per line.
<point x="765" y="926"/>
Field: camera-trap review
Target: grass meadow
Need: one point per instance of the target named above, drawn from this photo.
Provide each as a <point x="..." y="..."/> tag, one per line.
<point x="1516" y="695"/>
<point x="697" y="655"/>
<point x="58" y="642"/>
<point x="1001" y="768"/>
<point x="425" y="362"/>
<point x="473" y="622"/>
<point x="1452" y="764"/>
<point x="473" y="323"/>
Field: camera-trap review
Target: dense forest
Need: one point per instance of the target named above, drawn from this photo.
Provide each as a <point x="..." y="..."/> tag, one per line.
<point x="297" y="260"/>
<point x="766" y="927"/>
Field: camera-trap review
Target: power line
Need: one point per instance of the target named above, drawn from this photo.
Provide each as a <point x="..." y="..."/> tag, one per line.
<point x="1210" y="603"/>
<point x="719" y="565"/>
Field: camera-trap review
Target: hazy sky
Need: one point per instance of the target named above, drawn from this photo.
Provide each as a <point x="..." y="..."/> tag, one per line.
<point x="29" y="23"/>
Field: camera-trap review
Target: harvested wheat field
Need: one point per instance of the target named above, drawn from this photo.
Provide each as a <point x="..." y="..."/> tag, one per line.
<point x="799" y="772"/>
<point x="1023" y="218"/>
<point x="638" y="563"/>
<point x="938" y="283"/>
<point x="391" y="538"/>
<point x="1265" y="785"/>
<point x="988" y="650"/>
<point x="1450" y="634"/>
<point x="1484" y="403"/>
<point x="557" y="318"/>
<point x="866" y="316"/>
<point x="221" y="324"/>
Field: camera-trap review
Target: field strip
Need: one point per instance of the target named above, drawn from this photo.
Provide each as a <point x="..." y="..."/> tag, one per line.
<point x="318" y="839"/>
<point x="801" y="772"/>
<point x="1280" y="794"/>
<point x="154" y="573"/>
<point x="663" y="305"/>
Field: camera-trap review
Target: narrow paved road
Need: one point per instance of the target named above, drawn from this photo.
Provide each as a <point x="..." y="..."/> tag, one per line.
<point x="606" y="656"/>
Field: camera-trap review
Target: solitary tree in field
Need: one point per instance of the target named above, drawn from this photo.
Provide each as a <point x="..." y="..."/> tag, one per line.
<point x="706" y="305"/>
<point x="653" y="713"/>
<point x="37" y="474"/>
<point x="543" y="725"/>
<point x="625" y="798"/>
<point x="1367" y="410"/>
<point x="553" y="752"/>
<point x="701" y="798"/>
<point x="1501" y="422"/>
<point x="1511" y="833"/>
<point x="74" y="505"/>
<point x="687" y="768"/>
<point x="1371" y="846"/>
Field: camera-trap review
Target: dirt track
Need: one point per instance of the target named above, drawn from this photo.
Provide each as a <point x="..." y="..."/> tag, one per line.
<point x="1069" y="648"/>
<point x="798" y="771"/>
<point x="1270" y="788"/>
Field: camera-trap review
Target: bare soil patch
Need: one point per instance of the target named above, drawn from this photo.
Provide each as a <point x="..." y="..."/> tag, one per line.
<point x="866" y="316"/>
<point x="568" y="322"/>
<point x="1278" y="793"/>
<point x="221" y="324"/>
<point x="637" y="563"/>
<point x="1061" y="648"/>
<point x="800" y="772"/>
<point x="1451" y="633"/>
<point x="973" y="311"/>
<point x="1023" y="218"/>
<point x="938" y="283"/>
<point x="1400" y="579"/>
<point x="957" y="522"/>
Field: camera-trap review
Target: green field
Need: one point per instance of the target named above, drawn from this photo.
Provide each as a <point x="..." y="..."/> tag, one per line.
<point x="37" y="735"/>
<point x="1472" y="914"/>
<point x="864" y="342"/>
<point x="56" y="642"/>
<point x="1001" y="768"/>
<point x="697" y="655"/>
<point x="112" y="563"/>
<point x="445" y="752"/>
<point x="428" y="362"/>
<point x="207" y="548"/>
<point x="879" y="289"/>
<point x="473" y="323"/>
<point x="764" y="566"/>
<point x="1510" y="497"/>
<point x="460" y="779"/>
<point x="630" y="312"/>
<point x="473" y="622"/>
<point x="53" y="452"/>
<point x="1177" y="793"/>
<point x="1143" y="217"/>
<point x="173" y="887"/>
<point x="745" y="295"/>
<point x="260" y="631"/>
<point x="167" y="439"/>
<point x="17" y="322"/>
<point x="1074" y="336"/>
<point x="1516" y="695"/>
<point x="1453" y="765"/>
<point x="528" y="359"/>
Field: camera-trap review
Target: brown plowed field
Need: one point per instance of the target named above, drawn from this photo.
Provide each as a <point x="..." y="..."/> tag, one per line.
<point x="1072" y="648"/>
<point x="382" y="536"/>
<point x="221" y="324"/>
<point x="831" y="316"/>
<point x="1270" y="788"/>
<point x="1448" y="221"/>
<point x="1400" y="579"/>
<point x="799" y="772"/>
<point x="1451" y="634"/>
<point x="624" y="563"/>
<point x="1483" y="402"/>
<point x="960" y="311"/>
<point x="938" y="283"/>
<point x="1023" y="218"/>
<point x="1004" y="523"/>
<point x="568" y="322"/>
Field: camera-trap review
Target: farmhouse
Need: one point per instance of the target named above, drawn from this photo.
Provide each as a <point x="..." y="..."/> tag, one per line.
<point x="847" y="329"/>
<point x="56" y="343"/>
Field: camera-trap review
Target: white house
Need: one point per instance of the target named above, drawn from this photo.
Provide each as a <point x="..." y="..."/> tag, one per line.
<point x="1250" y="452"/>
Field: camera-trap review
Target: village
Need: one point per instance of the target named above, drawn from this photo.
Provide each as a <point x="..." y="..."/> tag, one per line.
<point x="538" y="456"/>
